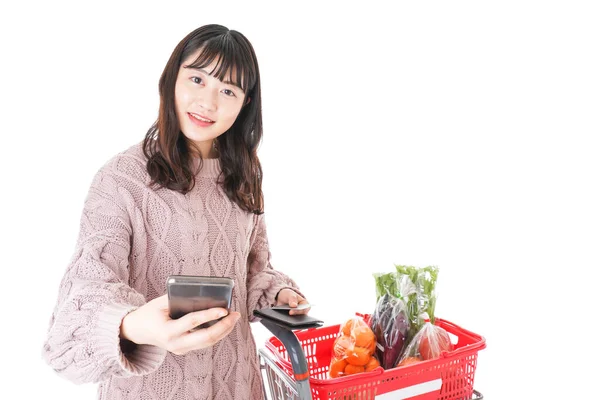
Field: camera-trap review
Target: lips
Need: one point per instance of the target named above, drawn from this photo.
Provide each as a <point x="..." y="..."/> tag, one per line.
<point x="200" y="120"/>
<point x="201" y="117"/>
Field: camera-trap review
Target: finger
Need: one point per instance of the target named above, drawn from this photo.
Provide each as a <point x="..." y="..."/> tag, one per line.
<point x="191" y="320"/>
<point x="209" y="336"/>
<point x="302" y="300"/>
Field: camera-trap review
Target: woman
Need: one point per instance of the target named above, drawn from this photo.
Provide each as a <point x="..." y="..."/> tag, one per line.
<point x="187" y="200"/>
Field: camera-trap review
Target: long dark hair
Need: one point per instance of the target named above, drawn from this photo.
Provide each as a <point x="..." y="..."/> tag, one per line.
<point x="167" y="148"/>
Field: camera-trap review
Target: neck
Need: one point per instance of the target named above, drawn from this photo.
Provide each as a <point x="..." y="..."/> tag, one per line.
<point x="207" y="150"/>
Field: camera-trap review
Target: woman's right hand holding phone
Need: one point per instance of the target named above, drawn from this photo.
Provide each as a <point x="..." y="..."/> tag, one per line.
<point x="151" y="324"/>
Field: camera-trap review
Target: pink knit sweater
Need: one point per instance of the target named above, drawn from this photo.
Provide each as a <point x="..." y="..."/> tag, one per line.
<point x="131" y="238"/>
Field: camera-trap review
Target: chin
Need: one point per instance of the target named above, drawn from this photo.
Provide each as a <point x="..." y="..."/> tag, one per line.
<point x="197" y="137"/>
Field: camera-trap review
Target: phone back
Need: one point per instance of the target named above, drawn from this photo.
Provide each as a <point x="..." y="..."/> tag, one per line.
<point x="189" y="293"/>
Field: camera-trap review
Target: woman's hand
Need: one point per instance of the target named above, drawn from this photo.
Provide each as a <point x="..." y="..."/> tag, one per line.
<point x="151" y="324"/>
<point x="293" y="299"/>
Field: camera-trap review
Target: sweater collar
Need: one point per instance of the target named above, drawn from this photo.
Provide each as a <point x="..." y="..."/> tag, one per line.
<point x="211" y="167"/>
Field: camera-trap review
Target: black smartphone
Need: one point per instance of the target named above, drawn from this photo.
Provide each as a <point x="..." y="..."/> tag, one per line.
<point x="188" y="293"/>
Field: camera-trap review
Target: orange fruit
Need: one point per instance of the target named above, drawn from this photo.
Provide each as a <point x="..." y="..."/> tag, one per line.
<point x="364" y="337"/>
<point x="336" y="368"/>
<point x="353" y="369"/>
<point x="372" y="364"/>
<point x="347" y="327"/>
<point x="340" y="346"/>
<point x="358" y="356"/>
<point x="352" y="324"/>
<point x="409" y="361"/>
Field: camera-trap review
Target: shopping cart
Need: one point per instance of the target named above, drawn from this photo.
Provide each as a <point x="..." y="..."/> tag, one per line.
<point x="295" y="365"/>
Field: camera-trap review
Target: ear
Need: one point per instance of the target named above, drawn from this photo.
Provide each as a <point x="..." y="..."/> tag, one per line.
<point x="247" y="101"/>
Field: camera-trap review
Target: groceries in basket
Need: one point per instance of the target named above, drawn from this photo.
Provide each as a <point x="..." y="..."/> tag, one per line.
<point x="401" y="331"/>
<point x="353" y="349"/>
<point x="405" y="298"/>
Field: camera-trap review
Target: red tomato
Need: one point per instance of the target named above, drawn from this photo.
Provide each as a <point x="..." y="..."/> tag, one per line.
<point x="440" y="342"/>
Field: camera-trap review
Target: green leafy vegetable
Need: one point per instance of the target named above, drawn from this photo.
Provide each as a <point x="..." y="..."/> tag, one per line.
<point x="424" y="298"/>
<point x="386" y="284"/>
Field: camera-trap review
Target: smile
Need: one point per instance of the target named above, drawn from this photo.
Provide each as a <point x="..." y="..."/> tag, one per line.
<point x="200" y="121"/>
<point x="199" y="118"/>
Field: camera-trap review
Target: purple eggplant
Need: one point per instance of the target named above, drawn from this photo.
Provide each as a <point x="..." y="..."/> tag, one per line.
<point x="390" y="325"/>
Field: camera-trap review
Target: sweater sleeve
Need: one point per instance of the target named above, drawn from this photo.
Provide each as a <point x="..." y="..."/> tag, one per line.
<point x="82" y="342"/>
<point x="264" y="283"/>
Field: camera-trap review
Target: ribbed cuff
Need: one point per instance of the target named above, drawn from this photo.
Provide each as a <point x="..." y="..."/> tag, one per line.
<point x="142" y="360"/>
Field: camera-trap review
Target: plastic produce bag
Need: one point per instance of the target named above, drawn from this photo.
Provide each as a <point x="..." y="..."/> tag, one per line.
<point x="397" y="284"/>
<point x="353" y="349"/>
<point x="416" y="286"/>
<point x="390" y="325"/>
<point x="427" y="344"/>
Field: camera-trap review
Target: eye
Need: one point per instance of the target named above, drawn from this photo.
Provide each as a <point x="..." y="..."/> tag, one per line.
<point x="229" y="92"/>
<point x="196" y="79"/>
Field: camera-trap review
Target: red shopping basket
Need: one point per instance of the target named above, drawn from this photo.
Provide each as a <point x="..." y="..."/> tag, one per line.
<point x="449" y="377"/>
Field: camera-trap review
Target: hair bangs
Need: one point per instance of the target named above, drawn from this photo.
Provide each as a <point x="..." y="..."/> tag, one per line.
<point x="233" y="64"/>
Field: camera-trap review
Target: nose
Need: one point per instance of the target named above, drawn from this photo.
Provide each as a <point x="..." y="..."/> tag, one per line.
<point x="207" y="99"/>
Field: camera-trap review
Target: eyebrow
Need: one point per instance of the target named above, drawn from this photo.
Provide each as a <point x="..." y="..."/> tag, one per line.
<point x="206" y="73"/>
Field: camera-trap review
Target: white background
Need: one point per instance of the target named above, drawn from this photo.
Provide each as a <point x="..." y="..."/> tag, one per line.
<point x="457" y="134"/>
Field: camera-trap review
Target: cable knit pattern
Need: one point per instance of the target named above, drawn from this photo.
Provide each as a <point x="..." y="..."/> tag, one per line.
<point x="131" y="239"/>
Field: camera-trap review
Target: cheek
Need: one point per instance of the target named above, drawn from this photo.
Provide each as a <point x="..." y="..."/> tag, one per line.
<point x="232" y="113"/>
<point x="180" y="99"/>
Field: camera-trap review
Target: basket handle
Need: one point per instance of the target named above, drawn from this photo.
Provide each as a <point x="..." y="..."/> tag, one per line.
<point x="478" y="339"/>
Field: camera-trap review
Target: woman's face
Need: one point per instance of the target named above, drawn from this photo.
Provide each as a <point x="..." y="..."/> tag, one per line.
<point x="206" y="107"/>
